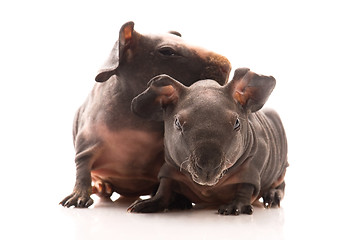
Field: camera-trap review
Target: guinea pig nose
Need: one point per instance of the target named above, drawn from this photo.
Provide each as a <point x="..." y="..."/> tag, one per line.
<point x="208" y="162"/>
<point x="198" y="167"/>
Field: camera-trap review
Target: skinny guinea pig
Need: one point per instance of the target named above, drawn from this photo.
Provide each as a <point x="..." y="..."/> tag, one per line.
<point x="115" y="149"/>
<point x="219" y="148"/>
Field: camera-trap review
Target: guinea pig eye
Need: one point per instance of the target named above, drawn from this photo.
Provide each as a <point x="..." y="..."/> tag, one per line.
<point x="177" y="124"/>
<point x="167" y="51"/>
<point x="237" y="125"/>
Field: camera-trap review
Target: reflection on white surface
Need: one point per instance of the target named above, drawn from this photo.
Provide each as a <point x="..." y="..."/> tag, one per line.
<point x="110" y="220"/>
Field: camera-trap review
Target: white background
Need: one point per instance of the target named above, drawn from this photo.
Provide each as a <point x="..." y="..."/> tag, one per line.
<point x="51" y="50"/>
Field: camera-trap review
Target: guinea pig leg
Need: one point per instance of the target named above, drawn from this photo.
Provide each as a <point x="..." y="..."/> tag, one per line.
<point x="241" y="203"/>
<point x="80" y="197"/>
<point x="180" y="202"/>
<point x="273" y="197"/>
<point x="159" y="202"/>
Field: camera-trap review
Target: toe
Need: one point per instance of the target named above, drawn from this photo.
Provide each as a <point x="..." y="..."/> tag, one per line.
<point x="268" y="198"/>
<point x="64" y="201"/>
<point x="247" y="209"/>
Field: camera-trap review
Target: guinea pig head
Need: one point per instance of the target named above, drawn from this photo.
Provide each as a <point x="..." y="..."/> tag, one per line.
<point x="139" y="57"/>
<point x="206" y="124"/>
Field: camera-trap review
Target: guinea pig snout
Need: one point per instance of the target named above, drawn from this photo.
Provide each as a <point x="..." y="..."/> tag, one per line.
<point x="207" y="168"/>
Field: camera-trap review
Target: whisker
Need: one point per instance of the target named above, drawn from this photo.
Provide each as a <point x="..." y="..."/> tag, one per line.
<point x="185" y="161"/>
<point x="228" y="162"/>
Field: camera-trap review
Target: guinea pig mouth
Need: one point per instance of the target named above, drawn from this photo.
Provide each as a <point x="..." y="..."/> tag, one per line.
<point x="205" y="181"/>
<point x="204" y="177"/>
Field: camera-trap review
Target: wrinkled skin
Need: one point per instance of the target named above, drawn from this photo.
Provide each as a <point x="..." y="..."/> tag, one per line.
<point x="220" y="148"/>
<point x="115" y="149"/>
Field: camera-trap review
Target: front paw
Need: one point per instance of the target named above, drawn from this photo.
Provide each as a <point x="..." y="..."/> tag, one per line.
<point x="180" y="202"/>
<point x="235" y="208"/>
<point x="78" y="199"/>
<point x="147" y="206"/>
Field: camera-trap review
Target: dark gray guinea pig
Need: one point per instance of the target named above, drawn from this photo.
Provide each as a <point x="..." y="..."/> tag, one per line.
<point x="220" y="148"/>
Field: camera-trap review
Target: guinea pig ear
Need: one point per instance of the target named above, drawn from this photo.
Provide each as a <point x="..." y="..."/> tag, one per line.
<point x="126" y="35"/>
<point x="175" y="33"/>
<point x="162" y="91"/>
<point x="251" y="90"/>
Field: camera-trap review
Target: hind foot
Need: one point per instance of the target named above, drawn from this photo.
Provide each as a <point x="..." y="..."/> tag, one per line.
<point x="102" y="189"/>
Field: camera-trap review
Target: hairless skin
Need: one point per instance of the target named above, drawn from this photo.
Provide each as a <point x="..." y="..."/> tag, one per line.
<point x="115" y="149"/>
<point x="220" y="148"/>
